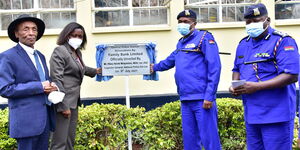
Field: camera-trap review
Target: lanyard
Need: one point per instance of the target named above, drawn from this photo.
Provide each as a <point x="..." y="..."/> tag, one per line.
<point x="255" y="65"/>
<point x="198" y="47"/>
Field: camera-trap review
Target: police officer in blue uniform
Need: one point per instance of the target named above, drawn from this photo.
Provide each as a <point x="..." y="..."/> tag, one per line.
<point x="197" y="76"/>
<point x="298" y="141"/>
<point x="269" y="62"/>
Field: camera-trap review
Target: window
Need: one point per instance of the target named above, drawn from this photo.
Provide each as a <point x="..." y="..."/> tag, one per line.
<point x="287" y="9"/>
<point x="55" y="13"/>
<point x="109" y="13"/>
<point x="219" y="11"/>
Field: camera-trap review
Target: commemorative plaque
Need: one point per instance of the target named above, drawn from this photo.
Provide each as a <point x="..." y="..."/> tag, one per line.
<point x="125" y="59"/>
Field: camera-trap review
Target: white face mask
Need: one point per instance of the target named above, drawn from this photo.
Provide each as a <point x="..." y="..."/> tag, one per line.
<point x="75" y="42"/>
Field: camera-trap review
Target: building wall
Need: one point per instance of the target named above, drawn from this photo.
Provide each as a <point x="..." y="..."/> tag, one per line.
<point x="227" y="36"/>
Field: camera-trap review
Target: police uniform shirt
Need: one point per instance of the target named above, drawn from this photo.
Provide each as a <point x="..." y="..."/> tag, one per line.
<point x="197" y="68"/>
<point x="273" y="105"/>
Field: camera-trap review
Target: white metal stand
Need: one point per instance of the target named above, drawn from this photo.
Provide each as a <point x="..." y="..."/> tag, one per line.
<point x="128" y="106"/>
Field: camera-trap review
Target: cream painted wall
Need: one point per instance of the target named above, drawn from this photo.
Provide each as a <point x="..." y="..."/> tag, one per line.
<point x="165" y="38"/>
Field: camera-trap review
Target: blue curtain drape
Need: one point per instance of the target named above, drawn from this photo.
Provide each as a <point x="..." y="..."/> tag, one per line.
<point x="99" y="57"/>
<point x="150" y="47"/>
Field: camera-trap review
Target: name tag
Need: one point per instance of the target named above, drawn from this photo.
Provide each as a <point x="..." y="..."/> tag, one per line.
<point x="262" y="55"/>
<point x="192" y="45"/>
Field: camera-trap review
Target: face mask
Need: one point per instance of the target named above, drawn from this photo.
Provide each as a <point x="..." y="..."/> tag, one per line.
<point x="75" y="42"/>
<point x="255" y="29"/>
<point x="183" y="28"/>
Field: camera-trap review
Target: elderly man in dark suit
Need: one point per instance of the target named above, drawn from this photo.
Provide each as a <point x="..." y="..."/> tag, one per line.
<point x="25" y="81"/>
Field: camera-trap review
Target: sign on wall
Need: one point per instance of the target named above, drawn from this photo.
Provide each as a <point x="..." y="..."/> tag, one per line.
<point x="125" y="59"/>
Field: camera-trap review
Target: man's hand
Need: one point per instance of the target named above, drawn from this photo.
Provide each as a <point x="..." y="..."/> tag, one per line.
<point x="66" y="113"/>
<point x="247" y="88"/>
<point x="207" y="104"/>
<point x="54" y="87"/>
<point x="45" y="84"/>
<point x="99" y="70"/>
<point x="49" y="87"/>
<point x="232" y="91"/>
<point x="151" y="68"/>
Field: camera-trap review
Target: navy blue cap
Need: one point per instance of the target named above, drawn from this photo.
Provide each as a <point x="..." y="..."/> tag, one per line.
<point x="256" y="10"/>
<point x="187" y="13"/>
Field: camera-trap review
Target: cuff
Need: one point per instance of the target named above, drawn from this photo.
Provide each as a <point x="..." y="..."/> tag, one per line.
<point x="209" y="96"/>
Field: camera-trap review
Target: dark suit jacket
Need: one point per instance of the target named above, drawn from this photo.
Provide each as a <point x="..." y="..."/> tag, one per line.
<point x="68" y="73"/>
<point x="20" y="83"/>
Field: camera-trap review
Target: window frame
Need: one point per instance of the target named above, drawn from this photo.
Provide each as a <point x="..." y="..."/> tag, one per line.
<point x="220" y="6"/>
<point x="286" y="22"/>
<point x="38" y="11"/>
<point x="131" y="27"/>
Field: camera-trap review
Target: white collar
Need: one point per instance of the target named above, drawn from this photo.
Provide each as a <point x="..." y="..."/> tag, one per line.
<point x="27" y="48"/>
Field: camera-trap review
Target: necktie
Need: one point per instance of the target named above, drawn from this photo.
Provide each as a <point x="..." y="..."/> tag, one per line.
<point x="39" y="67"/>
<point x="41" y="72"/>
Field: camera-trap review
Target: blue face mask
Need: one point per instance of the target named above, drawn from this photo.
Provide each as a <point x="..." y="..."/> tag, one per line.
<point x="255" y="29"/>
<point x="183" y="28"/>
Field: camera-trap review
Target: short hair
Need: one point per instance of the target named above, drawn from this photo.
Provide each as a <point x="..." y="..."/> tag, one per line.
<point x="66" y="32"/>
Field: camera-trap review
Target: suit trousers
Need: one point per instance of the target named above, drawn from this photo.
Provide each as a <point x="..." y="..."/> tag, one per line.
<point x="64" y="136"/>
<point x="39" y="142"/>
<point x="199" y="126"/>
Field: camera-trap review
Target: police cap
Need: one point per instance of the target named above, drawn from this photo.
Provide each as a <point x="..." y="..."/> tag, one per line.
<point x="187" y="13"/>
<point x="255" y="11"/>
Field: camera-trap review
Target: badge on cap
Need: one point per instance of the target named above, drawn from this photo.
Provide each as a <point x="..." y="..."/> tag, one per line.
<point x="256" y="12"/>
<point x="187" y="12"/>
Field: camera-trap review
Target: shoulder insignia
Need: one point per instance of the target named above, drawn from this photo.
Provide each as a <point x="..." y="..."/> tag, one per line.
<point x="205" y="31"/>
<point x="267" y="37"/>
<point x="180" y="38"/>
<point x="280" y="33"/>
<point x="247" y="38"/>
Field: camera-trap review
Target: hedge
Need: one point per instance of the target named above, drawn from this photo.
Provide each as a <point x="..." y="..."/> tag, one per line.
<point x="106" y="126"/>
<point x="6" y="143"/>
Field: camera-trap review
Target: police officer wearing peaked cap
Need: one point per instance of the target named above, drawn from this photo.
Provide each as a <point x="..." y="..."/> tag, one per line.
<point x="269" y="62"/>
<point x="197" y="85"/>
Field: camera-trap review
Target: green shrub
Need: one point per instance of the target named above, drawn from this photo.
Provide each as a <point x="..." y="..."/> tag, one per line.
<point x="6" y="143"/>
<point x="106" y="126"/>
<point x="231" y="124"/>
<point x="163" y="127"/>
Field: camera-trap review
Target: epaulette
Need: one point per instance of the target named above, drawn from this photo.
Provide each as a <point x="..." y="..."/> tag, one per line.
<point x="268" y="36"/>
<point x="247" y="38"/>
<point x="280" y="33"/>
<point x="205" y="31"/>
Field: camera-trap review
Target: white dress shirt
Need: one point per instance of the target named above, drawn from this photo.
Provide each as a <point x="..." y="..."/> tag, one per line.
<point x="30" y="53"/>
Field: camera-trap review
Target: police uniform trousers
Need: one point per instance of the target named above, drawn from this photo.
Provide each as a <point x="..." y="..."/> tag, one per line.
<point x="64" y="136"/>
<point x="199" y="125"/>
<point x="39" y="142"/>
<point x="298" y="108"/>
<point x="272" y="136"/>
